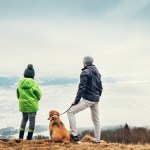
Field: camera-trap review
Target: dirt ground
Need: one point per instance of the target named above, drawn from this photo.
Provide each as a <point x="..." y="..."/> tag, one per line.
<point x="84" y="145"/>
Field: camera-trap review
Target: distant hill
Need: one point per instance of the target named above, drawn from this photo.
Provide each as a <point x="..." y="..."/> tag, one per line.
<point x="10" y="82"/>
<point x="9" y="132"/>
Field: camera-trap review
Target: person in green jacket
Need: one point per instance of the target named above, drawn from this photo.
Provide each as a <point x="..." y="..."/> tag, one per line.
<point x="28" y="94"/>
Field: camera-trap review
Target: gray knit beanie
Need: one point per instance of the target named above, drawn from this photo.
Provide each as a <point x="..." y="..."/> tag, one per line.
<point x="88" y="60"/>
<point x="29" y="72"/>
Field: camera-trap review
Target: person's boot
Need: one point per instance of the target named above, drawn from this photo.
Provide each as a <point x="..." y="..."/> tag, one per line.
<point x="21" y="134"/>
<point x="74" y="138"/>
<point x="29" y="136"/>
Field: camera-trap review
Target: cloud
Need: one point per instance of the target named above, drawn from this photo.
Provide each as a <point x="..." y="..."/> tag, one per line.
<point x="128" y="10"/>
<point x="74" y="10"/>
<point x="51" y="34"/>
<point x="46" y="8"/>
<point x="55" y="36"/>
<point x="125" y="100"/>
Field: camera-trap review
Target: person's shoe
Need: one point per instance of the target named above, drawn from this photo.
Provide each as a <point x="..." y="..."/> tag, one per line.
<point x="74" y="138"/>
<point x="21" y="134"/>
<point x="96" y="142"/>
<point x="30" y="134"/>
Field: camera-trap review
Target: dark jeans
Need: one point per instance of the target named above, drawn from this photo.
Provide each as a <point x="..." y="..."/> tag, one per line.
<point x="28" y="116"/>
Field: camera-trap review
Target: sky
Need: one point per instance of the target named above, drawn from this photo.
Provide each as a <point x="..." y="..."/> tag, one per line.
<point x="55" y="35"/>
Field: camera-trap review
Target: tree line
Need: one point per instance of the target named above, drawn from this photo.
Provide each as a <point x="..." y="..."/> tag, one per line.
<point x="124" y="134"/>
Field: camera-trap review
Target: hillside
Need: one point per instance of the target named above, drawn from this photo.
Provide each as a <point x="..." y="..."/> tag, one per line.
<point x="84" y="145"/>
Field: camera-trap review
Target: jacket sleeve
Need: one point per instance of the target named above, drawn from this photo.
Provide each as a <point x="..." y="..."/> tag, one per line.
<point x="18" y="95"/>
<point x="82" y="86"/>
<point x="100" y="88"/>
<point x="37" y="92"/>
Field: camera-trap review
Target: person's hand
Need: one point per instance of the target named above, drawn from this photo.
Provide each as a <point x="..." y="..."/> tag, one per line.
<point x="73" y="103"/>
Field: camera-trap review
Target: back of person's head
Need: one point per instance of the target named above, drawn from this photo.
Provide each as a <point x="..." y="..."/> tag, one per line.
<point x="88" y="60"/>
<point x="29" y="72"/>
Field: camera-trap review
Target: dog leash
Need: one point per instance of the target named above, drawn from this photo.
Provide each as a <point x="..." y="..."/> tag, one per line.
<point x="61" y="113"/>
<point x="66" y="111"/>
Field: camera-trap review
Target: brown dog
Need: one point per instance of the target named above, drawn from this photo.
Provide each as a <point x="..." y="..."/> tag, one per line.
<point x="58" y="132"/>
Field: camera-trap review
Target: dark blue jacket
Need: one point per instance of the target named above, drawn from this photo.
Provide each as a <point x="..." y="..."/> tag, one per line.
<point x="90" y="87"/>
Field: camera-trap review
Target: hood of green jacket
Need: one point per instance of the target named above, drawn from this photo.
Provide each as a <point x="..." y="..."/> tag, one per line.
<point x="27" y="83"/>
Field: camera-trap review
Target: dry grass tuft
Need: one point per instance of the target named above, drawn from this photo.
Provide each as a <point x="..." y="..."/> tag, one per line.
<point x="87" y="138"/>
<point x="12" y="143"/>
<point x="103" y="143"/>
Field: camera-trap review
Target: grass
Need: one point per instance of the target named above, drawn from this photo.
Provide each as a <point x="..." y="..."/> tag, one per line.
<point x="86" y="144"/>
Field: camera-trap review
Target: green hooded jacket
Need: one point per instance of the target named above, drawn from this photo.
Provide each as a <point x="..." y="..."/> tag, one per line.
<point x="28" y="94"/>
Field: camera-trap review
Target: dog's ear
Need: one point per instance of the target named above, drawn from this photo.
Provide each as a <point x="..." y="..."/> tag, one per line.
<point x="53" y="118"/>
<point x="49" y="116"/>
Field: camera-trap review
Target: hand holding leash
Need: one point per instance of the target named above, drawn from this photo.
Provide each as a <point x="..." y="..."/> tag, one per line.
<point x="72" y="104"/>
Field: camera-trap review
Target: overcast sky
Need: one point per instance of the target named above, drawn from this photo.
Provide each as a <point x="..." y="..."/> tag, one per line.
<point x="55" y="35"/>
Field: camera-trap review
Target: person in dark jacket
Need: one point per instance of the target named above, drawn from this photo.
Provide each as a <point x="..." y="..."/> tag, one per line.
<point x="88" y="95"/>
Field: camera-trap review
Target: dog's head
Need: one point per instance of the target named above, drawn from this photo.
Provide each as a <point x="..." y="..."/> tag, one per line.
<point x="53" y="114"/>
